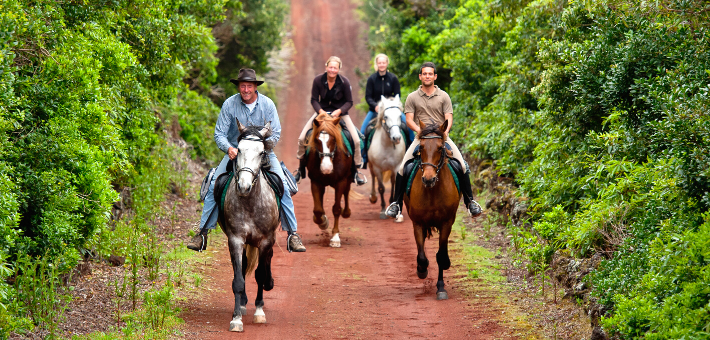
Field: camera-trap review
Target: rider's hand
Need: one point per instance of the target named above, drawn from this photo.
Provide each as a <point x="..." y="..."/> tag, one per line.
<point x="336" y="113"/>
<point x="233" y="152"/>
<point x="377" y="109"/>
<point x="322" y="111"/>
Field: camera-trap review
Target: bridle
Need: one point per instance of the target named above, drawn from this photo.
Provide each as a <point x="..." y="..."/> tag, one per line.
<point x="326" y="154"/>
<point x="250" y="170"/>
<point x="442" y="159"/>
<point x="384" y="123"/>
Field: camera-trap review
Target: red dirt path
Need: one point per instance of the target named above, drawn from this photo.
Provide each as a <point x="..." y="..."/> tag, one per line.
<point x="367" y="289"/>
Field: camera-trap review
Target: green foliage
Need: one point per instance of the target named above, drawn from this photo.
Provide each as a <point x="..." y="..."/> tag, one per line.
<point x="598" y="109"/>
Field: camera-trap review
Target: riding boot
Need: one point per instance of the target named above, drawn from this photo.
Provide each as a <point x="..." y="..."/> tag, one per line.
<point x="364" y="160"/>
<point x="199" y="242"/>
<point x="396" y="207"/>
<point x="465" y="183"/>
<point x="359" y="178"/>
<point x="300" y="173"/>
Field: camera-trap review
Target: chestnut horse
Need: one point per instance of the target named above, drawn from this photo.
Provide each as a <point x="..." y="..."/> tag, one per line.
<point x="329" y="164"/>
<point x="433" y="201"/>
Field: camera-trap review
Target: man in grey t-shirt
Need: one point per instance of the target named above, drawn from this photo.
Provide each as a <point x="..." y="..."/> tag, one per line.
<point x="430" y="105"/>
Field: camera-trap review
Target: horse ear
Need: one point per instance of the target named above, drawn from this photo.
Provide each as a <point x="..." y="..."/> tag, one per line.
<point x="396" y="98"/>
<point x="421" y="125"/>
<point x="382" y="98"/>
<point x="316" y="122"/>
<point x="240" y="126"/>
<point x="266" y="131"/>
<point x="336" y="120"/>
<point x="444" y="126"/>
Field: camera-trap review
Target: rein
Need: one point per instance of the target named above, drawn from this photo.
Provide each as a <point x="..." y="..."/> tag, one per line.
<point x="250" y="170"/>
<point x="442" y="159"/>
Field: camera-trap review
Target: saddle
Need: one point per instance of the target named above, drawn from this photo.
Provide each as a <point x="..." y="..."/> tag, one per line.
<point x="412" y="165"/>
<point x="222" y="183"/>
<point x="370" y="132"/>
<point x="347" y="138"/>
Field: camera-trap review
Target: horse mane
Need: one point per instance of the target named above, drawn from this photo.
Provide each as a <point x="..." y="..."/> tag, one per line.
<point x="381" y="113"/>
<point x="255" y="131"/>
<point x="432" y="128"/>
<point x="327" y="125"/>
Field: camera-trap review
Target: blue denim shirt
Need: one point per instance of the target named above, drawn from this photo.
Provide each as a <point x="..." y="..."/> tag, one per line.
<point x="226" y="131"/>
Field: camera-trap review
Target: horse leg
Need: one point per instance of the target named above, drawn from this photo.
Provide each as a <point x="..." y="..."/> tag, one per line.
<point x="236" y="248"/>
<point x="337" y="210"/>
<point x="422" y="261"/>
<point x="442" y="260"/>
<point x="346" y="197"/>
<point x="264" y="279"/>
<point x="244" y="300"/>
<point x="319" y="216"/>
<point x="373" y="196"/>
<point x="393" y="181"/>
<point x="381" y="189"/>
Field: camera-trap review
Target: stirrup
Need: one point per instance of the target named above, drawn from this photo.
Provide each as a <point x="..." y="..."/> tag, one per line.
<point x="474" y="209"/>
<point x="358" y="180"/>
<point x="393" y="210"/>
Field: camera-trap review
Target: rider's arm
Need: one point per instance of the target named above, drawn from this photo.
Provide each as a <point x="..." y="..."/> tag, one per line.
<point x="410" y="122"/>
<point x="450" y="118"/>
<point x="315" y="95"/>
<point x="348" y="93"/>
<point x="369" y="93"/>
<point x="395" y="86"/>
<point x="270" y="111"/>
<point x="221" y="129"/>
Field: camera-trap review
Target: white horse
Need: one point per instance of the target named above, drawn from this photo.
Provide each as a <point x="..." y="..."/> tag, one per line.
<point x="386" y="149"/>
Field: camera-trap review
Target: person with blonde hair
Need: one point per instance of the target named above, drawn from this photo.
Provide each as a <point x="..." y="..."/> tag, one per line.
<point x="381" y="83"/>
<point x="331" y="93"/>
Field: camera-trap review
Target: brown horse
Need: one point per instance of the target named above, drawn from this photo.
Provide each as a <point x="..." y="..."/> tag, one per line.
<point x="433" y="201"/>
<point x="329" y="164"/>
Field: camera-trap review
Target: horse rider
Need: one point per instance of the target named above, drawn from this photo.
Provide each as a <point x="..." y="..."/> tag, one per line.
<point x="431" y="105"/>
<point x="251" y="108"/>
<point x="331" y="93"/>
<point x="381" y="83"/>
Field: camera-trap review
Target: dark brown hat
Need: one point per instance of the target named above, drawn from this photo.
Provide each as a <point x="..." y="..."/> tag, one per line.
<point x="246" y="74"/>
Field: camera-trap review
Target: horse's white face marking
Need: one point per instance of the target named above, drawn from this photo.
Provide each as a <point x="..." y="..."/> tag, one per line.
<point x="249" y="157"/>
<point x="392" y="117"/>
<point x="326" y="164"/>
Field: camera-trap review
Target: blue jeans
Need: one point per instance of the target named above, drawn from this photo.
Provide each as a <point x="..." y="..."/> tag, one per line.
<point x="372" y="114"/>
<point x="288" y="214"/>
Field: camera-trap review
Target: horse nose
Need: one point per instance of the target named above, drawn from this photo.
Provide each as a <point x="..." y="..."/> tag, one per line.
<point x="326" y="166"/>
<point x="396" y="139"/>
<point x="243" y="187"/>
<point x="429" y="182"/>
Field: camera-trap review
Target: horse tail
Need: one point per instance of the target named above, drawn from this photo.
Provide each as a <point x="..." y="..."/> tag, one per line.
<point x="252" y="258"/>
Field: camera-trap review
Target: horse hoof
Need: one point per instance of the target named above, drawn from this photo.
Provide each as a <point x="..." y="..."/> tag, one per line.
<point x="335" y="241"/>
<point x="373" y="199"/>
<point x="422" y="275"/>
<point x="399" y="218"/>
<point x="442" y="295"/>
<point x="383" y="216"/>
<point x="346" y="213"/>
<point x="236" y="326"/>
<point x="324" y="225"/>
<point x="259" y="316"/>
<point x="243" y="310"/>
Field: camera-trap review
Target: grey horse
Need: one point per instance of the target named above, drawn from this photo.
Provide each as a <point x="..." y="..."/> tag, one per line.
<point x="250" y="219"/>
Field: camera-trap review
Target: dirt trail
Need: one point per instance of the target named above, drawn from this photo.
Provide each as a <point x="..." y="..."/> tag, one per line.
<point x="367" y="289"/>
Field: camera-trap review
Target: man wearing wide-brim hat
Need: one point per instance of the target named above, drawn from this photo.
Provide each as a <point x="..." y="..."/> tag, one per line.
<point x="251" y="108"/>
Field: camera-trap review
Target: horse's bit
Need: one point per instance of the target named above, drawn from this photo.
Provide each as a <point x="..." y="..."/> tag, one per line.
<point x="442" y="159"/>
<point x="258" y="171"/>
<point x="325" y="154"/>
